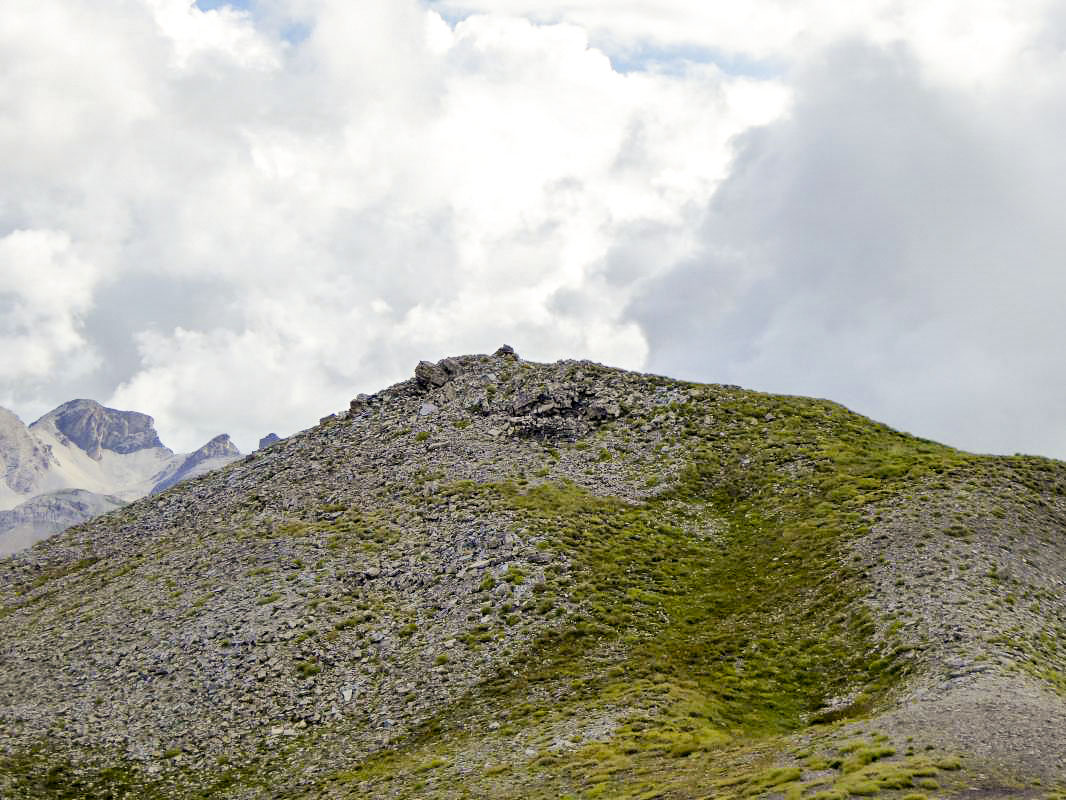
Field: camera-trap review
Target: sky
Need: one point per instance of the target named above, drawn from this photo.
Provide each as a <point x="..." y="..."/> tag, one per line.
<point x="237" y="216"/>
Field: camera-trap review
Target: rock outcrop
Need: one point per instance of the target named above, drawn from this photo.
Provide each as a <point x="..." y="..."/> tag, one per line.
<point x="95" y="428"/>
<point x="268" y="440"/>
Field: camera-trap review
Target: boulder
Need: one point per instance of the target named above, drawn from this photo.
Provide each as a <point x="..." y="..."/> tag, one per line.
<point x="268" y="440"/>
<point x="430" y="375"/>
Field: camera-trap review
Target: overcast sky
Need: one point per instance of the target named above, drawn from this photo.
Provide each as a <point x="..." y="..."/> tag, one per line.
<point x="235" y="217"/>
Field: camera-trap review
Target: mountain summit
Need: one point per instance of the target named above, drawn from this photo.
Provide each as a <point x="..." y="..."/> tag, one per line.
<point x="94" y="428"/>
<point x="106" y="456"/>
<point x="214" y="454"/>
<point x="507" y="579"/>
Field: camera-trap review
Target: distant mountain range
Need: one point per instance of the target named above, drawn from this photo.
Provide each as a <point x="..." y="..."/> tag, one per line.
<point x="83" y="459"/>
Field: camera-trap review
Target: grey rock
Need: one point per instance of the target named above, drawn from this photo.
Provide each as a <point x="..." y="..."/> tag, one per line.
<point x="50" y="513"/>
<point x="22" y="458"/>
<point x="429" y="375"/>
<point x="268" y="440"/>
<point x="94" y="428"/>
<point x="451" y="366"/>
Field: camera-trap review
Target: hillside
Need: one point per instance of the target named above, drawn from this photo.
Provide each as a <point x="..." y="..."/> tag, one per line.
<point x="514" y="580"/>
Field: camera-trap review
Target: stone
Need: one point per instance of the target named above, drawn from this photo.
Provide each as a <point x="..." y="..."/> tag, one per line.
<point x="451" y="366"/>
<point x="426" y="409"/>
<point x="506" y="351"/>
<point x="268" y="440"/>
<point x="596" y="412"/>
<point x="429" y="375"/>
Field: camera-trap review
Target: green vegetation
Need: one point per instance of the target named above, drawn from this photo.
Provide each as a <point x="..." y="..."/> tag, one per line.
<point x="680" y="647"/>
<point x="720" y="614"/>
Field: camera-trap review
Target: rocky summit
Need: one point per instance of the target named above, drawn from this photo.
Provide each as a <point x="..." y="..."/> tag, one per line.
<point x="504" y="579"/>
<point x="94" y="428"/>
<point x="83" y="459"/>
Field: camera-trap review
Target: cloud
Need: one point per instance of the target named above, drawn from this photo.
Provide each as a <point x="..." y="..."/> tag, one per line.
<point x="45" y="291"/>
<point x="231" y="227"/>
<point x="892" y="244"/>
<point x="957" y="41"/>
<point x="273" y="226"/>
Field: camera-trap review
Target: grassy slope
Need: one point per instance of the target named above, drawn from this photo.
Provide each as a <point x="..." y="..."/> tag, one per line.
<point x="717" y="620"/>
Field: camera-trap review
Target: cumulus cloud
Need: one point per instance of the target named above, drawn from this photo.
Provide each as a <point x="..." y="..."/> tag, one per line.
<point x="278" y="222"/>
<point x="893" y="245"/>
<point x="45" y="290"/>
<point x="959" y="41"/>
<point x="236" y="218"/>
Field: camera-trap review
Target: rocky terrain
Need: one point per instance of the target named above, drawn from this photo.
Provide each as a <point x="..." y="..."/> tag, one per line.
<point x="107" y="456"/>
<point x="507" y="579"/>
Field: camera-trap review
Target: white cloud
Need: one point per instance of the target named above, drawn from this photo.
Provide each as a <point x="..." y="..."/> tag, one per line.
<point x="221" y="33"/>
<point x="249" y="227"/>
<point x="45" y="290"/>
<point x="894" y="245"/>
<point x="960" y="41"/>
<point x="387" y="189"/>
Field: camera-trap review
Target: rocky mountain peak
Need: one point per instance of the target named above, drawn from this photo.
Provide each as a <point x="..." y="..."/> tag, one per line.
<point x="215" y="453"/>
<point x="593" y="582"/>
<point x="219" y="447"/>
<point x="95" y="428"/>
<point x="21" y="458"/>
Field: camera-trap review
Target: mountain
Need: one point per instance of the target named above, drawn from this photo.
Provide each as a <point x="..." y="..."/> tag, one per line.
<point x="216" y="453"/>
<point x="94" y="428"/>
<point x="116" y="456"/>
<point x="23" y="460"/>
<point x="46" y="514"/>
<point x="505" y="579"/>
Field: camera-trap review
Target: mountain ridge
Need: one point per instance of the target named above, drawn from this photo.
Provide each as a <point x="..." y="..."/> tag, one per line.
<point x="508" y="579"/>
<point x="85" y="446"/>
<point x="93" y="428"/>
